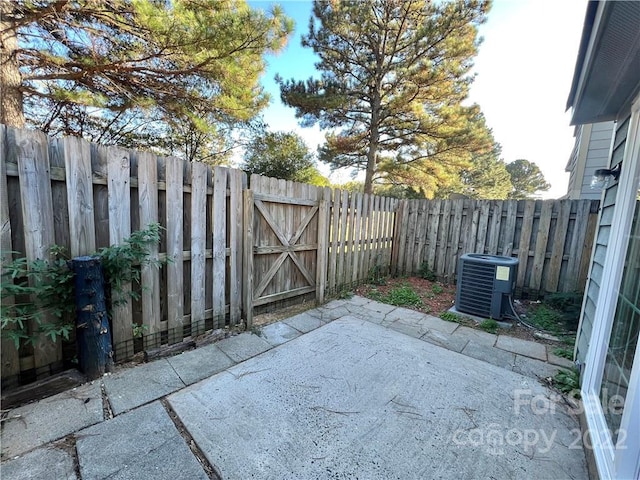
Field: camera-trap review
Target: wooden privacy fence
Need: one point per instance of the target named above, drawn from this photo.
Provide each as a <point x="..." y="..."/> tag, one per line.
<point x="234" y="249"/>
<point x="83" y="197"/>
<point x="300" y="240"/>
<point x="552" y="239"/>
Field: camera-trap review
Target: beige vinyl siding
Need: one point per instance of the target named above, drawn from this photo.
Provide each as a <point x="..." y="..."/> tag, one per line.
<point x="603" y="232"/>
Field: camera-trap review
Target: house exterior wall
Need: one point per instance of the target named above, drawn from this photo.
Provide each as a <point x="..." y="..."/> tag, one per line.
<point x="603" y="232"/>
<point x="591" y="151"/>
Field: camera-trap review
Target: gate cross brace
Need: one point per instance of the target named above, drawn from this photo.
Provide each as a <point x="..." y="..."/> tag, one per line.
<point x="286" y="243"/>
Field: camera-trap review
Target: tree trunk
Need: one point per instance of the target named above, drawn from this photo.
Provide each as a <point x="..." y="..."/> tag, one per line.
<point x="10" y="79"/>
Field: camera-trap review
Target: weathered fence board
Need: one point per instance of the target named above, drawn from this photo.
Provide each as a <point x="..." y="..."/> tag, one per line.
<point x="9" y="354"/>
<point x="37" y="216"/>
<point x="82" y="232"/>
<point x="546" y="236"/>
<point x="148" y="214"/>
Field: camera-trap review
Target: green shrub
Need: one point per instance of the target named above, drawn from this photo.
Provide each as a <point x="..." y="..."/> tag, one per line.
<point x="45" y="287"/>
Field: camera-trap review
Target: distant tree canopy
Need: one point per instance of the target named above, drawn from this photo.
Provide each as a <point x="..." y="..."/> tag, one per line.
<point x="134" y="72"/>
<point x="282" y="155"/>
<point x="485" y="178"/>
<point x="393" y="76"/>
<point x="526" y="178"/>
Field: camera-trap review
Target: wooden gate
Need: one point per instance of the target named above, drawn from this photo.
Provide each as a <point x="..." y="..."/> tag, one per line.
<point x="285" y="242"/>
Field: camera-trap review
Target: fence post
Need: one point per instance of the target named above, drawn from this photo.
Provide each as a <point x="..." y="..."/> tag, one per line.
<point x="321" y="264"/>
<point x="92" y="324"/>
<point x="247" y="259"/>
<point x="395" y="242"/>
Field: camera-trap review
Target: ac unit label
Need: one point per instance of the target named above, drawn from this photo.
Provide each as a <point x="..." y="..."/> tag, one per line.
<point x="502" y="273"/>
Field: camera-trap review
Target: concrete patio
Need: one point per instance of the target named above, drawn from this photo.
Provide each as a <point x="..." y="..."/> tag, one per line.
<point x="353" y="389"/>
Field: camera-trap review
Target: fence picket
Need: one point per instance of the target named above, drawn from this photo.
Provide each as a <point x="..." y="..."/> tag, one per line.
<point x="541" y="245"/>
<point x="82" y="231"/>
<point x="219" y="227"/>
<point x="150" y="276"/>
<point x="175" y="267"/>
<point x="198" y="246"/>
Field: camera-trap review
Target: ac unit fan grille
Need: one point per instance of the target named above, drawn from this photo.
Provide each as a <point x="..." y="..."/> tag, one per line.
<point x="476" y="288"/>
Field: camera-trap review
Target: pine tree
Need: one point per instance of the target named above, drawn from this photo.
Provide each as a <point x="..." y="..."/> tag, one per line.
<point x="394" y="74"/>
<point x="129" y="71"/>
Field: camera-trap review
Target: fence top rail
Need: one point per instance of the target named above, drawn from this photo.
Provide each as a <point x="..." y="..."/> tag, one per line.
<point x="268" y="197"/>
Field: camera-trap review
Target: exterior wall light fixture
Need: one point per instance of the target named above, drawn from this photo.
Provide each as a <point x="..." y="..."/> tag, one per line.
<point x="602" y="176"/>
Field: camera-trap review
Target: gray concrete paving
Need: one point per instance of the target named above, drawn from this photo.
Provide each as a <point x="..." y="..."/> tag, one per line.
<point x="371" y="395"/>
<point x="141" y="444"/>
<point x="50" y="462"/>
<point x="50" y="419"/>
<point x="243" y="346"/>
<point x="522" y="347"/>
<point x="196" y="365"/>
<point x="279" y="333"/>
<point x="131" y="388"/>
<point x="357" y="400"/>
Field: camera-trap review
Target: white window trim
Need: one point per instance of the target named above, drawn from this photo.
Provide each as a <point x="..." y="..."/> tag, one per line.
<point x="615" y="462"/>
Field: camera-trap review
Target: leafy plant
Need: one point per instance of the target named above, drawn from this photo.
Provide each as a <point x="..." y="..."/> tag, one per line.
<point x="345" y="294"/>
<point x="569" y="305"/>
<point x="122" y="263"/>
<point x="568" y="382"/>
<point x="43" y="290"/>
<point x="139" y="330"/>
<point x="437" y="289"/>
<point x="489" y="325"/>
<point x="376" y="277"/>
<point x="426" y="272"/>
<point x="547" y="319"/>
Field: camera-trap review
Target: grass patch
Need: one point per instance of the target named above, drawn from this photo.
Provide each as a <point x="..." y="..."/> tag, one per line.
<point x="489" y="325"/>
<point x="401" y="296"/>
<point x="451" y="317"/>
<point x="437" y="289"/>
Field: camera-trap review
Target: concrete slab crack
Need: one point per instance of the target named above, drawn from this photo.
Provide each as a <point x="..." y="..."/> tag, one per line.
<point x="107" y="411"/>
<point x="211" y="471"/>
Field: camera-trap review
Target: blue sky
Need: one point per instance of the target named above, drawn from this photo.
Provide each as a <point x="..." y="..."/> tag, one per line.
<point x="523" y="75"/>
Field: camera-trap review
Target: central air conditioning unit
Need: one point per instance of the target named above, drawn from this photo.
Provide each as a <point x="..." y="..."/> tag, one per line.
<point x="485" y="283"/>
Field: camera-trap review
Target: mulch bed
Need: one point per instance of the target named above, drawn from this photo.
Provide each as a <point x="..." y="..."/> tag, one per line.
<point x="439" y="297"/>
